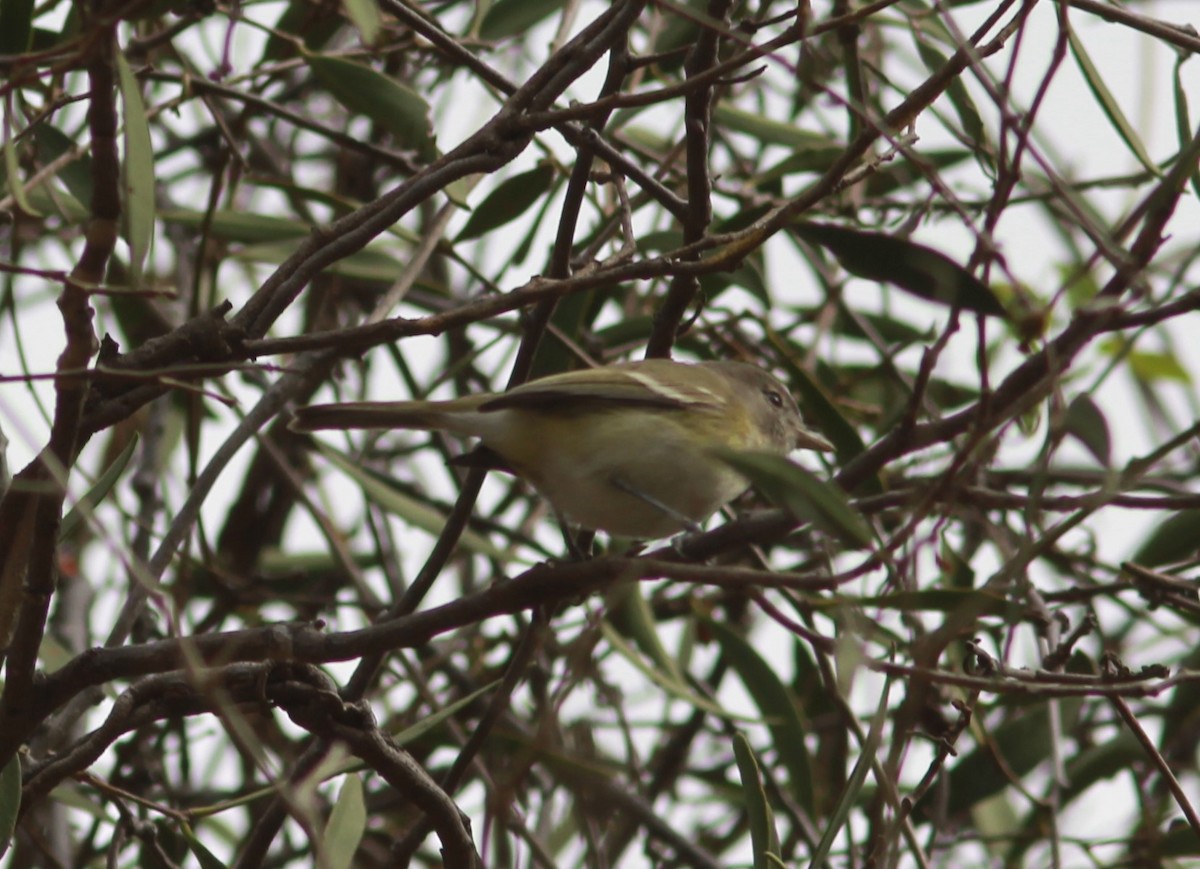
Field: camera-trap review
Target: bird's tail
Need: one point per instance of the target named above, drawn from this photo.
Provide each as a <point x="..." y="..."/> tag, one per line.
<point x="426" y="415"/>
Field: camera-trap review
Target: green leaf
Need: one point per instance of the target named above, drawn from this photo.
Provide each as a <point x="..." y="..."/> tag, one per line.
<point x="802" y="494"/>
<point x="972" y="124"/>
<point x="1176" y="539"/>
<point x="137" y="174"/>
<point x="666" y="679"/>
<point x="435" y="719"/>
<point x="630" y="613"/>
<point x="510" y="17"/>
<point x="395" y="107"/>
<point x="1180" y="841"/>
<point x="16" y="26"/>
<point x="365" y="15"/>
<point x="1153" y="367"/>
<point x="206" y="858"/>
<point x="767" y="130"/>
<point x="52" y="143"/>
<point x="764" y="837"/>
<point x="930" y="600"/>
<point x="1086" y="422"/>
<point x="805" y="160"/>
<point x="1183" y="123"/>
<point x="10" y="801"/>
<point x="777" y="706"/>
<point x="1109" y="104"/>
<point x="920" y="270"/>
<point x="347" y="822"/>
<point x="508" y="201"/>
<point x="96" y="493"/>
<point x="378" y="266"/>
<point x="858" y="778"/>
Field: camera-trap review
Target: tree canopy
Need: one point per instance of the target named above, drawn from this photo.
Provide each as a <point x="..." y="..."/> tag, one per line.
<point x="964" y="235"/>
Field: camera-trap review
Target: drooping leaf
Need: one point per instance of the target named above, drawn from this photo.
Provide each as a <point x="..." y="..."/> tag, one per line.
<point x="97" y="492"/>
<point x="854" y="784"/>
<point x="206" y="858"/>
<point x="768" y="130"/>
<point x="365" y="91"/>
<point x="764" y="838"/>
<point x="630" y="613"/>
<point x="1175" y="539"/>
<point x="957" y="93"/>
<point x="365" y="15"/>
<point x="1085" y="421"/>
<point x="511" y="198"/>
<point x="802" y="494"/>
<point x="775" y="703"/>
<point x="509" y="17"/>
<point x="346" y="825"/>
<point x="12" y="174"/>
<point x="1109" y="104"/>
<point x="914" y="267"/>
<point x="137" y="174"/>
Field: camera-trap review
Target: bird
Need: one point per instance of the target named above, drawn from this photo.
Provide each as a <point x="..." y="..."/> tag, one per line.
<point x="630" y="448"/>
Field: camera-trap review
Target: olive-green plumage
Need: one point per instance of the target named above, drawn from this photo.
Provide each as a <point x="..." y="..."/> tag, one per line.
<point x="625" y="448"/>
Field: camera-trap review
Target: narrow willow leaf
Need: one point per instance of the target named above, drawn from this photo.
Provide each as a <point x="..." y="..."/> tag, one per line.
<point x="96" y="493"/>
<point x="365" y="15"/>
<point x="241" y="226"/>
<point x="666" y="681"/>
<point x="1109" y="104"/>
<point x="914" y="267"/>
<point x="137" y="174"/>
<point x="1174" y="539"/>
<point x="764" y="838"/>
<point x="512" y="198"/>
<point x="960" y="98"/>
<point x="777" y="705"/>
<point x="435" y="719"/>
<point x="206" y="858"/>
<point x="858" y="777"/>
<point x="346" y="825"/>
<point x="630" y="613"/>
<point x="393" y="106"/>
<point x="1183" y="123"/>
<point x="12" y="166"/>
<point x="1085" y="422"/>
<point x="767" y="130"/>
<point x="802" y="494"/>
<point x="511" y="17"/>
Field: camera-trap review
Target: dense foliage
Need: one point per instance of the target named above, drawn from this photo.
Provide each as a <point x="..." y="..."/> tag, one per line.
<point x="962" y="232"/>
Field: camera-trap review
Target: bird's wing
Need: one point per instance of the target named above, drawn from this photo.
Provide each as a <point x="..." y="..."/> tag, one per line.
<point x="630" y="384"/>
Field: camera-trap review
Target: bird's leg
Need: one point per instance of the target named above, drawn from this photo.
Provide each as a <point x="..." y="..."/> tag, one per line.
<point x="579" y="546"/>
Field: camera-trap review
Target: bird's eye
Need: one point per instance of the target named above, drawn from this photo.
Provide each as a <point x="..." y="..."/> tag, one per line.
<point x="774" y="397"/>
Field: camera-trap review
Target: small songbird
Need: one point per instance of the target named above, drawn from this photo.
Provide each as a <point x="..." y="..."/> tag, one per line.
<point x="630" y="448"/>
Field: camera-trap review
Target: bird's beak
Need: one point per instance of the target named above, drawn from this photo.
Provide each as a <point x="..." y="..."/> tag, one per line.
<point x="810" y="440"/>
